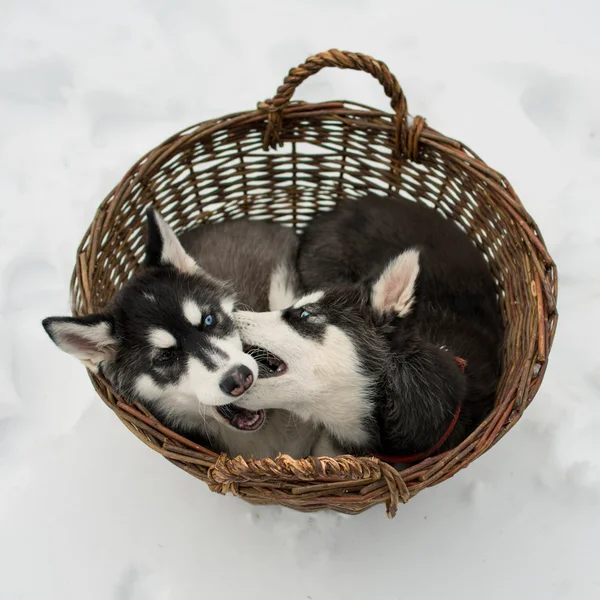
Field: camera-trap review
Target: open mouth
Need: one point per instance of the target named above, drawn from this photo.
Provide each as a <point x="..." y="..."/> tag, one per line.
<point x="241" y="418"/>
<point x="269" y="365"/>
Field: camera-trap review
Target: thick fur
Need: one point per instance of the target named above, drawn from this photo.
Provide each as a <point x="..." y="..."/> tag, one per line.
<point x="164" y="307"/>
<point x="258" y="257"/>
<point x="398" y="293"/>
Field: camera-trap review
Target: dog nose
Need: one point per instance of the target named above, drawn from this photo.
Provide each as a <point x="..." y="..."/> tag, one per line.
<point x="237" y="381"/>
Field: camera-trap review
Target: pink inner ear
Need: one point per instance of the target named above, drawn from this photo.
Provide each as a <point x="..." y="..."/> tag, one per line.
<point x="398" y="285"/>
<point x="80" y="343"/>
<point x="394" y="291"/>
<point x="92" y="343"/>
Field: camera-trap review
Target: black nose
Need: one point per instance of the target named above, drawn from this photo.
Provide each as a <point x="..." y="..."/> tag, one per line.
<point x="237" y="381"/>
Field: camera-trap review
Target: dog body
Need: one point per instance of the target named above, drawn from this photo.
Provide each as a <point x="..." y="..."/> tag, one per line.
<point x="168" y="339"/>
<point x="396" y="293"/>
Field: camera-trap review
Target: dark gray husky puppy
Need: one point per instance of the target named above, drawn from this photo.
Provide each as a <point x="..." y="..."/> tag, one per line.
<point x="399" y="298"/>
<point x="168" y="338"/>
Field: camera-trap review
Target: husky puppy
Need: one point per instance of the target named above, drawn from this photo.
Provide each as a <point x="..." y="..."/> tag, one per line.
<point x="168" y="338"/>
<point x="396" y="294"/>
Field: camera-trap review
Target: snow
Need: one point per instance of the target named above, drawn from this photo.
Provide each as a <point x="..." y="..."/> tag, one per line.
<point x="86" y="510"/>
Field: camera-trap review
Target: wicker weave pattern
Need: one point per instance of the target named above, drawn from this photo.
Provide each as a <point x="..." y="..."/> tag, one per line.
<point x="321" y="154"/>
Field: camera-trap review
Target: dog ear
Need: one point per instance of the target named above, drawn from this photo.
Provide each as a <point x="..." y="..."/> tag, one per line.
<point x="163" y="248"/>
<point x="394" y="291"/>
<point x="90" y="339"/>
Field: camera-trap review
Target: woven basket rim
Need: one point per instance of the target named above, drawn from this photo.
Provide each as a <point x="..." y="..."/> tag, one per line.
<point x="345" y="483"/>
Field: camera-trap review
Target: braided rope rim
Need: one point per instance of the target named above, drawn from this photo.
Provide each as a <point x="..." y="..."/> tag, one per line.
<point x="217" y="169"/>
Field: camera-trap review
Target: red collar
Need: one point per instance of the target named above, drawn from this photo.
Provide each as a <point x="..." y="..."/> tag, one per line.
<point x="413" y="458"/>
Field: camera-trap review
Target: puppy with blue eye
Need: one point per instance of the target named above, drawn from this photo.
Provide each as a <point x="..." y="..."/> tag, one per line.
<point x="400" y="301"/>
<point x="168" y="338"/>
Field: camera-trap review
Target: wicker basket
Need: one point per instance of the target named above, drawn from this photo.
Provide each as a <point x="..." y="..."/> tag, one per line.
<point x="232" y="167"/>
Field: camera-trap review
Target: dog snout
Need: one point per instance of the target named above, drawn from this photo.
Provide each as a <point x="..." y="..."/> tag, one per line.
<point x="237" y="380"/>
<point x="248" y="321"/>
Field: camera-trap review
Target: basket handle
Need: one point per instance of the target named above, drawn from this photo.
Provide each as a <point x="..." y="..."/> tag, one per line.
<point x="342" y="60"/>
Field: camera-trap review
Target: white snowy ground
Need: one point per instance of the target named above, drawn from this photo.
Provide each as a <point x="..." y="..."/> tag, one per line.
<point x="86" y="510"/>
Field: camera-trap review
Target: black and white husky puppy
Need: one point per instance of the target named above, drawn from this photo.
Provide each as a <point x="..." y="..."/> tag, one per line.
<point x="168" y="338"/>
<point x="399" y="299"/>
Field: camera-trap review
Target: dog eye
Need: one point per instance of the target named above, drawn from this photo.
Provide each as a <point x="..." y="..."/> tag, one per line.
<point x="209" y="320"/>
<point x="304" y="314"/>
<point x="166" y="356"/>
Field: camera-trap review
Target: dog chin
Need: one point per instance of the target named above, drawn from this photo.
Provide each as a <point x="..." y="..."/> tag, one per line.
<point x="230" y="427"/>
<point x="265" y="395"/>
<point x="214" y="413"/>
<point x="238" y="417"/>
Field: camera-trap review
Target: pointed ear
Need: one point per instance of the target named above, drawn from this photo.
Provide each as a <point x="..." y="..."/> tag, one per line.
<point x="90" y="339"/>
<point x="163" y="247"/>
<point x="394" y="291"/>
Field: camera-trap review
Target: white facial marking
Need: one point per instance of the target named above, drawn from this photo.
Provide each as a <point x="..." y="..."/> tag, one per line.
<point x="150" y="297"/>
<point x="161" y="338"/>
<point x="309" y="299"/>
<point x="324" y="383"/>
<point x="192" y="312"/>
<point x="281" y="292"/>
<point x="227" y="305"/>
<point x="197" y="387"/>
<point x="148" y="389"/>
<point x="230" y="346"/>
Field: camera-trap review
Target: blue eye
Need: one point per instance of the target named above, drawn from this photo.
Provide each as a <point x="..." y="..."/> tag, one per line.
<point x="304" y="314"/>
<point x="209" y="320"/>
